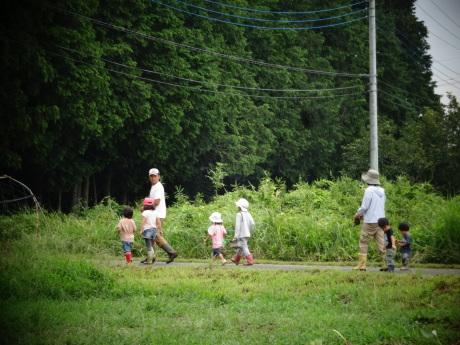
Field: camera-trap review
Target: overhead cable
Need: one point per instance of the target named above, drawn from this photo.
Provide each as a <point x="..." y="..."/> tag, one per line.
<point x="439" y="8"/>
<point x="255" y="26"/>
<point x="206" y="82"/>
<point x="416" y="4"/>
<point x="271" y="20"/>
<point x="416" y="46"/>
<point x="276" y="12"/>
<point x="199" y="50"/>
<point x="204" y="90"/>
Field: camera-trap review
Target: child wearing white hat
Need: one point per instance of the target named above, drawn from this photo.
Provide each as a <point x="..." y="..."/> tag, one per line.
<point x="217" y="232"/>
<point x="243" y="226"/>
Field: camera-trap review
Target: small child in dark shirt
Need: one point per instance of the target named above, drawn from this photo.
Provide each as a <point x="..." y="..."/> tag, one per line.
<point x="404" y="245"/>
<point x="390" y="246"/>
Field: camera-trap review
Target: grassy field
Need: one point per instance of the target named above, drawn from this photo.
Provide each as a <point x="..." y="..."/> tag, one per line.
<point x="55" y="289"/>
<point x="62" y="300"/>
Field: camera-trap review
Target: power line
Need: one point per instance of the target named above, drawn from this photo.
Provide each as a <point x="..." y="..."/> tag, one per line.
<point x="414" y="58"/>
<point x="416" y="46"/>
<point x="262" y="11"/>
<point x="416" y="4"/>
<point x="445" y="13"/>
<point x="206" y="82"/>
<point x="395" y="87"/>
<point x="199" y="50"/>
<point x="204" y="90"/>
<point x="255" y="26"/>
<point x="270" y="20"/>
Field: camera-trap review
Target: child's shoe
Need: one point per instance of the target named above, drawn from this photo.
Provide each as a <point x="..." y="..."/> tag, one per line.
<point x="224" y="262"/>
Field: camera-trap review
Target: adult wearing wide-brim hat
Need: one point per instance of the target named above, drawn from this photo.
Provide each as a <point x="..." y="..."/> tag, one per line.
<point x="372" y="208"/>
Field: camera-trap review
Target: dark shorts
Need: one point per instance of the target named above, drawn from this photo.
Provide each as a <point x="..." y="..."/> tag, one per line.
<point x="216" y="251"/>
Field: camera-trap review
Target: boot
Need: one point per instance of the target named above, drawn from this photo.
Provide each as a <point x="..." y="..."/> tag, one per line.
<point x="384" y="267"/>
<point x="249" y="260"/>
<point x="362" y="259"/>
<point x="172" y="254"/>
<point x="391" y="268"/>
<point x="128" y="258"/>
<point x="405" y="265"/>
<point x="150" y="258"/>
<point x="236" y="259"/>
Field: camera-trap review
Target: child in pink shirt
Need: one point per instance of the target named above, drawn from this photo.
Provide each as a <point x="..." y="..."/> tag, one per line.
<point x="126" y="228"/>
<point x="217" y="233"/>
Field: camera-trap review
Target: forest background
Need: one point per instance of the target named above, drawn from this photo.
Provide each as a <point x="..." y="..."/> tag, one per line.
<point x="94" y="93"/>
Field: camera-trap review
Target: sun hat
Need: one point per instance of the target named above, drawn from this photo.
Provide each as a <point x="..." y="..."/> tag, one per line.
<point x="243" y="204"/>
<point x="216" y="217"/>
<point x="149" y="201"/>
<point x="371" y="177"/>
<point x="154" y="171"/>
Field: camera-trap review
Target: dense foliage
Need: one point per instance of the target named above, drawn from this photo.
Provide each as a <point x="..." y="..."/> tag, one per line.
<point x="94" y="93"/>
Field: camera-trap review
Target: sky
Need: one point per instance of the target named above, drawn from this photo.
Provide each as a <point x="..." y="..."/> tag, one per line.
<point x="442" y="19"/>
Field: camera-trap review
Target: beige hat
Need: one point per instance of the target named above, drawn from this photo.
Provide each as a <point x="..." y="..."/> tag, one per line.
<point x="371" y="177"/>
<point x="154" y="172"/>
<point x="216" y="217"/>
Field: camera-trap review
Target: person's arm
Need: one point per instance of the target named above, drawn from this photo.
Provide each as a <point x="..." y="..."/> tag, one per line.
<point x="237" y="225"/>
<point x="393" y="246"/>
<point x="207" y="238"/>
<point x="159" y="227"/>
<point x="364" y="204"/>
<point x="144" y="219"/>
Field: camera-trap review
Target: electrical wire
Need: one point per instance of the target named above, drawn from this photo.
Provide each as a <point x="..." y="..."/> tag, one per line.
<point x="270" y="20"/>
<point x="395" y="87"/>
<point x="417" y="47"/>
<point x="262" y="11"/>
<point x="442" y="79"/>
<point x="206" y="82"/>
<point x="439" y="8"/>
<point x="203" y="90"/>
<point x="398" y="104"/>
<point x="255" y="26"/>
<point x="416" y="4"/>
<point x="203" y="51"/>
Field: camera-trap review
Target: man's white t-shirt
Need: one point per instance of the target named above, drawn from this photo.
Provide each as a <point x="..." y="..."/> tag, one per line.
<point x="158" y="192"/>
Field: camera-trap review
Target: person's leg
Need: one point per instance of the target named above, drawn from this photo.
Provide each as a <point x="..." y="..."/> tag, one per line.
<point x="161" y="242"/>
<point x="364" y="240"/>
<point x="127" y="250"/>
<point x="380" y="243"/>
<point x="245" y="250"/>
<point x="390" y="260"/>
<point x="236" y="259"/>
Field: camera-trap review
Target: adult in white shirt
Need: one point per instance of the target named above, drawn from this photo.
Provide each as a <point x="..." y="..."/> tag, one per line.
<point x="157" y="193"/>
<point x="372" y="208"/>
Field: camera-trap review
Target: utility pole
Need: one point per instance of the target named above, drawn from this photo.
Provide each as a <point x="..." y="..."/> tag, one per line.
<point x="374" y="143"/>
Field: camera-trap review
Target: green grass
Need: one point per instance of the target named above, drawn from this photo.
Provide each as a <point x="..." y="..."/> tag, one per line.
<point x="55" y="288"/>
<point x="60" y="300"/>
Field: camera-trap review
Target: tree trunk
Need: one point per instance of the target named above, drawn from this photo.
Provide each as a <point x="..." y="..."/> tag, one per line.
<point x="86" y="193"/>
<point x="94" y="190"/>
<point x="74" y="199"/>
<point x="59" y="203"/>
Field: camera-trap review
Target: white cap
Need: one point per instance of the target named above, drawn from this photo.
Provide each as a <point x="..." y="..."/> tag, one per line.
<point x="154" y="171"/>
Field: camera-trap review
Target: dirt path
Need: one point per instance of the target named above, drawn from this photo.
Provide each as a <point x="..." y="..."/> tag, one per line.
<point x="426" y="271"/>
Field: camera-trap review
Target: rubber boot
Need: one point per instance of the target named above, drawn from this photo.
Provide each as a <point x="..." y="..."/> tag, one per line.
<point x="236" y="259"/>
<point x="172" y="254"/>
<point x="249" y="260"/>
<point x="128" y="258"/>
<point x="405" y="265"/>
<point x="391" y="268"/>
<point x="150" y="258"/>
<point x="384" y="267"/>
<point x="362" y="259"/>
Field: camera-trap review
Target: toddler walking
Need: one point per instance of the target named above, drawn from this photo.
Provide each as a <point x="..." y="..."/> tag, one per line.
<point x="149" y="227"/>
<point x="217" y="232"/>
<point x="127" y="227"/>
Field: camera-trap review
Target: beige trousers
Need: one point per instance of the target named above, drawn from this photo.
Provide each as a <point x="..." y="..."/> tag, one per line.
<point x="371" y="231"/>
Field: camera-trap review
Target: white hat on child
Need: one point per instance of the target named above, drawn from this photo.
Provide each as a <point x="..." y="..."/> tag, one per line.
<point x="216" y="217"/>
<point x="243" y="204"/>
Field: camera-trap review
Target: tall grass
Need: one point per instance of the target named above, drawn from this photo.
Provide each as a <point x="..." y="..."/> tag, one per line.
<point x="309" y="222"/>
